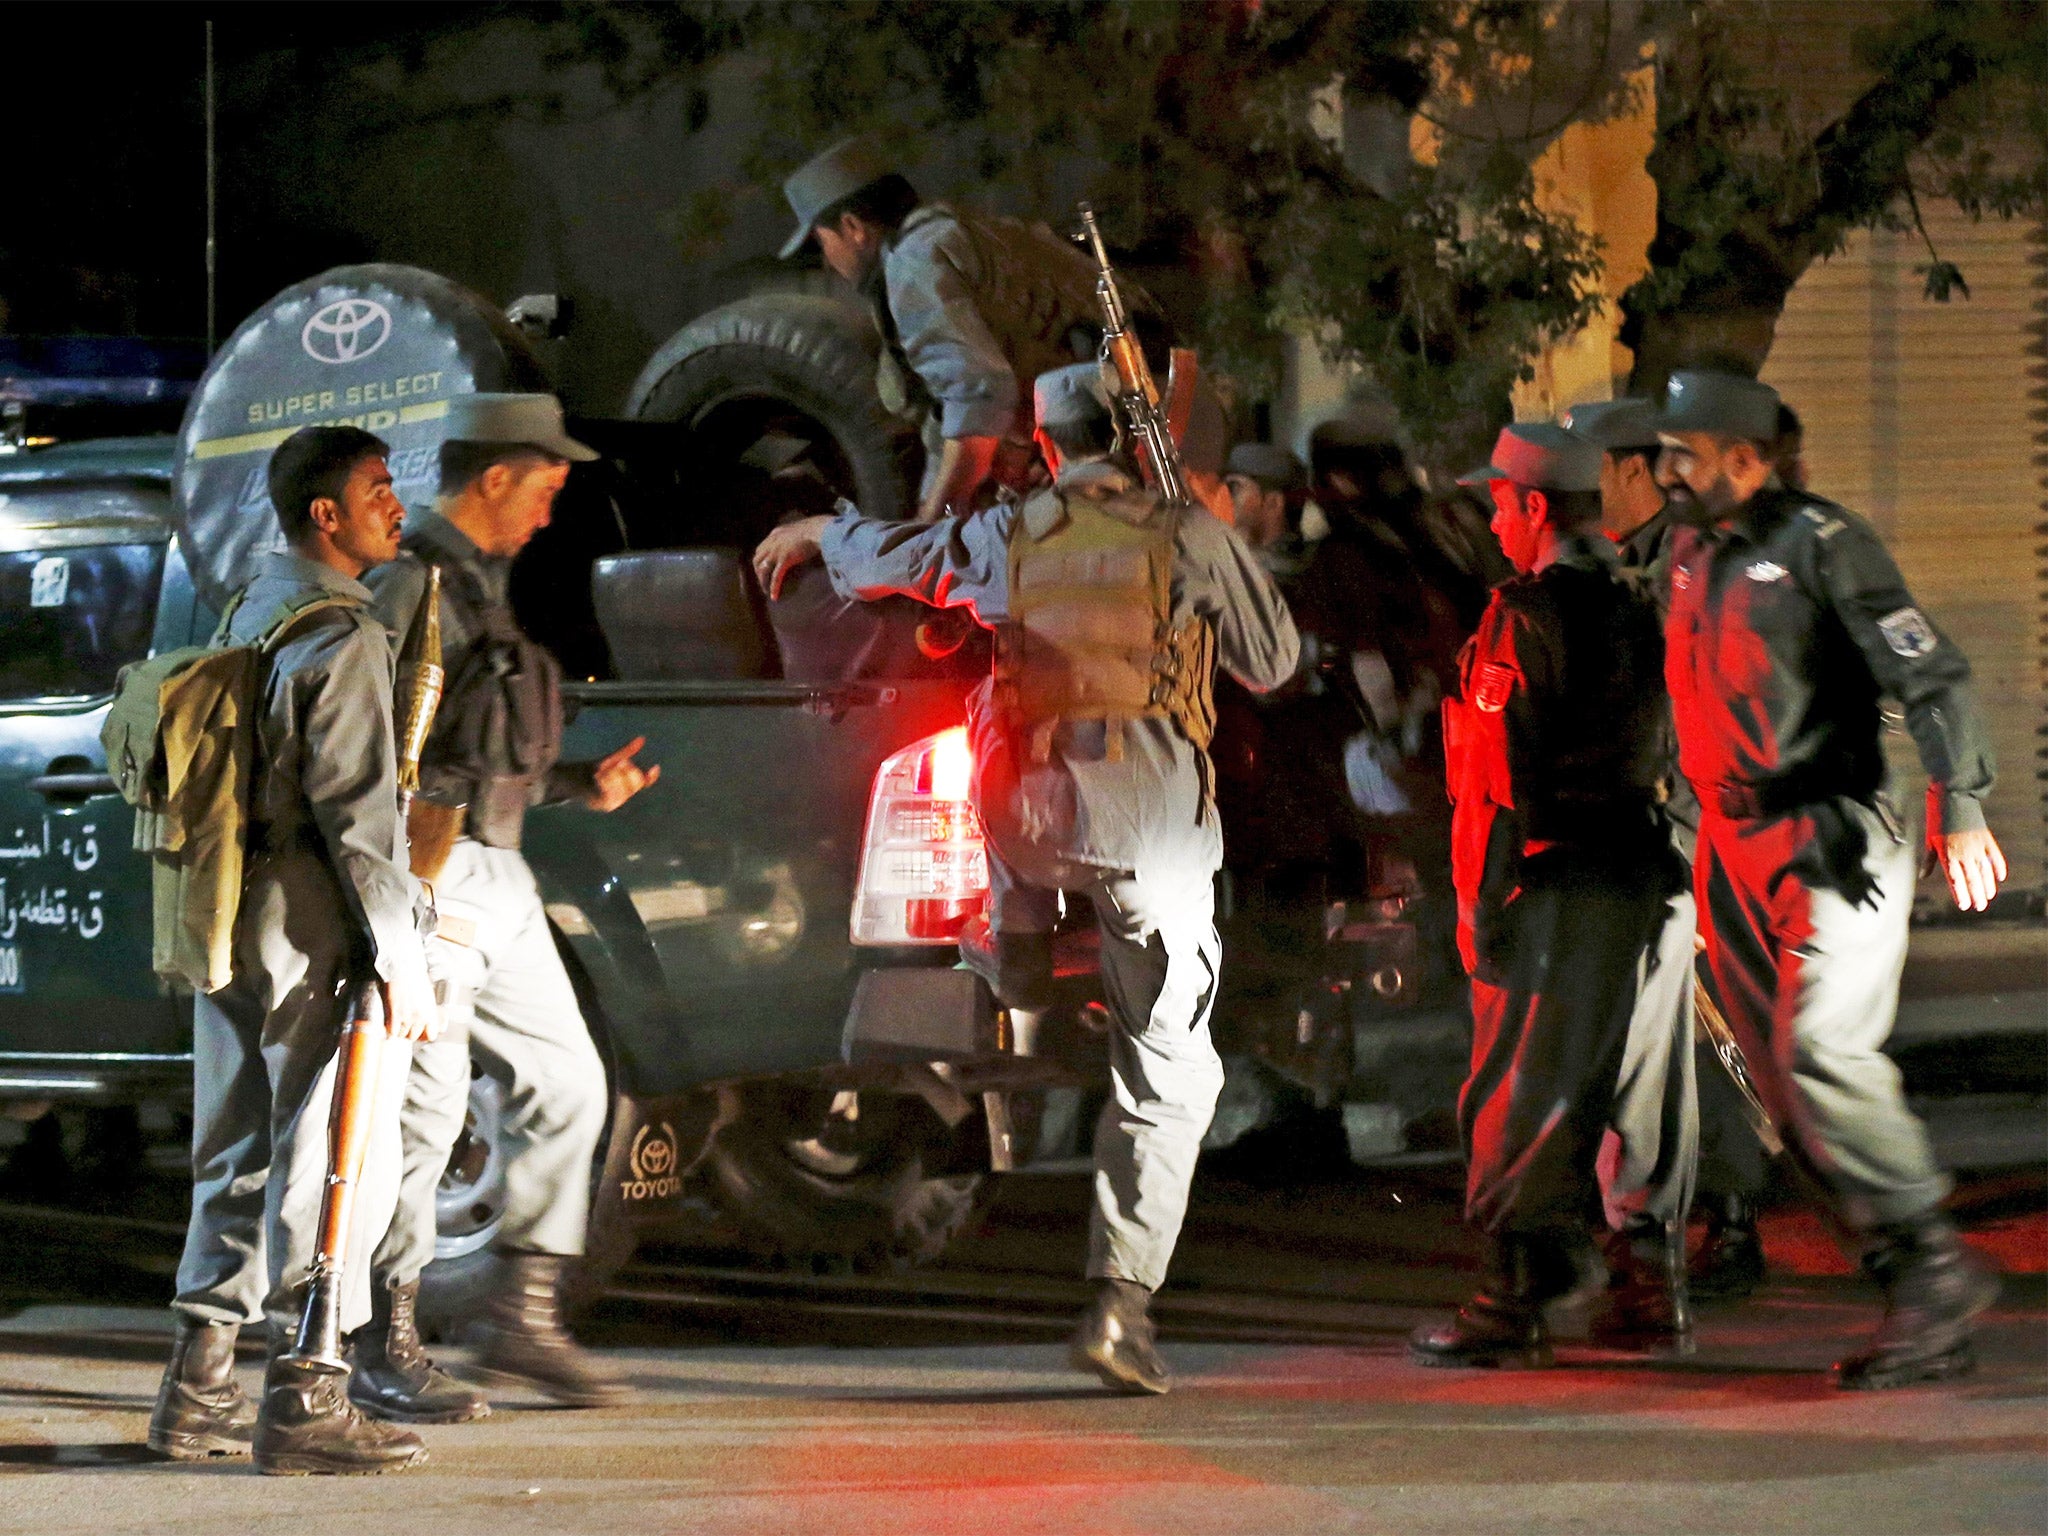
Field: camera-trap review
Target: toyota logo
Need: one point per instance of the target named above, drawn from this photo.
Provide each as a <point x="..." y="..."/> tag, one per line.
<point x="346" y="331"/>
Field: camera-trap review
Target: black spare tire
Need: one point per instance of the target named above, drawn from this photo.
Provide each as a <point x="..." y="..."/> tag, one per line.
<point x="795" y="369"/>
<point x="381" y="347"/>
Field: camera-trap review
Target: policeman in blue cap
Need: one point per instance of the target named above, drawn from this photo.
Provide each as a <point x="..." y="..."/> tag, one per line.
<point x="971" y="307"/>
<point x="1575" y="925"/>
<point x="1788" y="623"/>
<point x="1092" y="777"/>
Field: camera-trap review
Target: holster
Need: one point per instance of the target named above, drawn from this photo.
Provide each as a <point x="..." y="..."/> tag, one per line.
<point x="430" y="831"/>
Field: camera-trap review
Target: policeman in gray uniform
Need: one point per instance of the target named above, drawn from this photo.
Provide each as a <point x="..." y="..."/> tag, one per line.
<point x="1788" y="623"/>
<point x="1636" y="515"/>
<point x="326" y="900"/>
<point x="972" y="309"/>
<point x="494" y="753"/>
<point x="1116" y="811"/>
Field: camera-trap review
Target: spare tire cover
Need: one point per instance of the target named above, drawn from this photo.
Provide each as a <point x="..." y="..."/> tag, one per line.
<point x="380" y="347"/>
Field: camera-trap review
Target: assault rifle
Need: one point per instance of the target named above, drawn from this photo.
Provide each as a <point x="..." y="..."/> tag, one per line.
<point x="1137" y="405"/>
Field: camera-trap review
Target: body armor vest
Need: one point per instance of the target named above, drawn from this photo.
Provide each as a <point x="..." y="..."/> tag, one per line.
<point x="1033" y="292"/>
<point x="1090" y="633"/>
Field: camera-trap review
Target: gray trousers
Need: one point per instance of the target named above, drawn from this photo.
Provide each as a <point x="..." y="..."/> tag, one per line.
<point x="507" y="1006"/>
<point x="1809" y="981"/>
<point x="263" y="1063"/>
<point x="1161" y="958"/>
<point x="1581" y="1094"/>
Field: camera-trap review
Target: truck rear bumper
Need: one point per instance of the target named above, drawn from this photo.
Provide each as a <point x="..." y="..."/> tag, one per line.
<point x="92" y="1077"/>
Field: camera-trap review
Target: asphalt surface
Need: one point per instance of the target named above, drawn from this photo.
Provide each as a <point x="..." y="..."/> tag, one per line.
<point x="942" y="1402"/>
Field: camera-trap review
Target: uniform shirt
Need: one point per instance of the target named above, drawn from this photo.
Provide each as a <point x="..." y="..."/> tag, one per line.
<point x="1788" y="622"/>
<point x="1647" y="551"/>
<point x="1146" y="811"/>
<point x="476" y="580"/>
<point x="326" y="768"/>
<point x="978" y="308"/>
<point x="1557" y="743"/>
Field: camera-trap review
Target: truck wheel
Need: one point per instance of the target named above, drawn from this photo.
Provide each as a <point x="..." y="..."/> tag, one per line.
<point x="774" y="380"/>
<point x="806" y="1185"/>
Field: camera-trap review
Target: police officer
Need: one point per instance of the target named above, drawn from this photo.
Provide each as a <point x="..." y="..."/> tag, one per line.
<point x="1109" y="804"/>
<point x="326" y="900"/>
<point x="1637" y="516"/>
<point x="972" y="309"/>
<point x="1268" y="493"/>
<point x="1788" y="622"/>
<point x="510" y="1008"/>
<point x="1575" y="926"/>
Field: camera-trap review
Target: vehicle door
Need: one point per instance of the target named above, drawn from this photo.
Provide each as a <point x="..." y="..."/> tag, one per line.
<point x="90" y="580"/>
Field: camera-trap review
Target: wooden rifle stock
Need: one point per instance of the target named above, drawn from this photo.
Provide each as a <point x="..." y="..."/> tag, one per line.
<point x="1137" y="403"/>
<point x="352" y="1111"/>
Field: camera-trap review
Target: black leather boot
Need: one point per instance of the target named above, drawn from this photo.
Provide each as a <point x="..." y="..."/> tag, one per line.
<point x="393" y="1378"/>
<point x="201" y="1410"/>
<point x="1647" y="1306"/>
<point x="1502" y="1325"/>
<point x="1933" y="1288"/>
<point x="1730" y="1263"/>
<point x="524" y="1340"/>
<point x="308" y="1427"/>
<point x="1116" y="1341"/>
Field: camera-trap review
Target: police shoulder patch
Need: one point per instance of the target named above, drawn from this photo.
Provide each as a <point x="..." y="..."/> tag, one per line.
<point x="1908" y="633"/>
<point x="1492" y="687"/>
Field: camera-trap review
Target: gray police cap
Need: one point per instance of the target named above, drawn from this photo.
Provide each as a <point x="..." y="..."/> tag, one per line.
<point x="1726" y="404"/>
<point x="827" y="178"/>
<point x="1272" y="466"/>
<point x="1069" y="396"/>
<point x="1630" y="422"/>
<point x="535" y="420"/>
<point x="1542" y="456"/>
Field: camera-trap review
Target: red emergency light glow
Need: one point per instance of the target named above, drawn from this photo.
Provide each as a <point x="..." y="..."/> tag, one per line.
<point x="923" y="867"/>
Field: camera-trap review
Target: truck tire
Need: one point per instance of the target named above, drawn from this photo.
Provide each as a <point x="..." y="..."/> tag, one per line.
<point x="889" y="1197"/>
<point x="379" y="346"/>
<point x="795" y="365"/>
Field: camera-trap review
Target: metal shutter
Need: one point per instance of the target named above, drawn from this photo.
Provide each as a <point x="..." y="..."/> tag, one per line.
<point x="1926" y="418"/>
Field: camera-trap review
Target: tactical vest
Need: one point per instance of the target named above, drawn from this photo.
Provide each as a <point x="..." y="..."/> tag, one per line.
<point x="1032" y="291"/>
<point x="1090" y="633"/>
<point x="498" y="730"/>
<point x="180" y="739"/>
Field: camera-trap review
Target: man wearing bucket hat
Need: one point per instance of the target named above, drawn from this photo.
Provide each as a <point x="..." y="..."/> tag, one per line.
<point x="509" y="1007"/>
<point x="1788" y="623"/>
<point x="1091" y="776"/>
<point x="1576" y="928"/>
<point x="1636" y="515"/>
<point x="971" y="308"/>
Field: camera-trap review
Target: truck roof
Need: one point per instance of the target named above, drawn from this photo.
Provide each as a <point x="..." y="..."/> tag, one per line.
<point x="101" y="458"/>
<point x="86" y="493"/>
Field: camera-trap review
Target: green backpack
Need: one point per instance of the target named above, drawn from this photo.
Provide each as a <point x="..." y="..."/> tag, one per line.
<point x="180" y="739"/>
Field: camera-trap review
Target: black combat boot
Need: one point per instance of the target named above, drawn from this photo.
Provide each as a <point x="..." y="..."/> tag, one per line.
<point x="1730" y="1263"/>
<point x="1115" y="1340"/>
<point x="524" y="1340"/>
<point x="1502" y="1325"/>
<point x="1018" y="967"/>
<point x="1933" y="1288"/>
<point x="1646" y="1306"/>
<point x="307" y="1425"/>
<point x="201" y="1410"/>
<point x="393" y="1378"/>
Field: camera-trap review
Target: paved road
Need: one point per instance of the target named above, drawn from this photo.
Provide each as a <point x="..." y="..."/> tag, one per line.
<point x="762" y="1414"/>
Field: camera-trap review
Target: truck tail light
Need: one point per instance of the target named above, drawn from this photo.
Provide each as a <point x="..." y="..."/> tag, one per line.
<point x="923" y="869"/>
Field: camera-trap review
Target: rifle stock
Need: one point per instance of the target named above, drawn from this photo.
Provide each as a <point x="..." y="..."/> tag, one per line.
<point x="350" y="1115"/>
